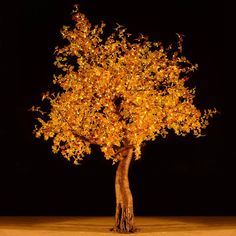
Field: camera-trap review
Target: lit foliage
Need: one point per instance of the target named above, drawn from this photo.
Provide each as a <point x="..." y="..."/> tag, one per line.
<point x="119" y="93"/>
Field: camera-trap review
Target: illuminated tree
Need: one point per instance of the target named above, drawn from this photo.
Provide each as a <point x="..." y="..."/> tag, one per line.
<point x="117" y="92"/>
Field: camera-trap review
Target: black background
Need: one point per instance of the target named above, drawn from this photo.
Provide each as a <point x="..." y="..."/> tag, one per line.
<point x="176" y="175"/>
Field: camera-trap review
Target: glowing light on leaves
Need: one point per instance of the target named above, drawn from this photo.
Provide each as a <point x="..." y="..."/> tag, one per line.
<point x="117" y="94"/>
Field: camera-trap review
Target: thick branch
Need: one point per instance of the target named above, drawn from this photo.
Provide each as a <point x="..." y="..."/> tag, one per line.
<point x="123" y="149"/>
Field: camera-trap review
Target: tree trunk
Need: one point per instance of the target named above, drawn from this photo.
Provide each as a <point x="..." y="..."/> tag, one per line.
<point x="124" y="218"/>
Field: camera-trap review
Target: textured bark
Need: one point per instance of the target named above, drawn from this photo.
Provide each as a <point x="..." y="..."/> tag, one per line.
<point x="124" y="217"/>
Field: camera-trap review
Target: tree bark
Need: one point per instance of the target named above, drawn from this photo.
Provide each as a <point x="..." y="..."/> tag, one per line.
<point x="124" y="217"/>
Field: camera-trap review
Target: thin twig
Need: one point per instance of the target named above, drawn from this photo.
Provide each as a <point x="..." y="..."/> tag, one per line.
<point x="74" y="132"/>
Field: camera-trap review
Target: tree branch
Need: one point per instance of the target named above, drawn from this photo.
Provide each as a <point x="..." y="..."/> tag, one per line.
<point x="83" y="138"/>
<point x="123" y="149"/>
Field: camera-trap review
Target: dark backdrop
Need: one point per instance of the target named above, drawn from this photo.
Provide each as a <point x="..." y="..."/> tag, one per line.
<point x="176" y="175"/>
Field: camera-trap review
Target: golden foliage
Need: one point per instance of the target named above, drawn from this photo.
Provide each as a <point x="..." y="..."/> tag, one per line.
<point x="118" y="94"/>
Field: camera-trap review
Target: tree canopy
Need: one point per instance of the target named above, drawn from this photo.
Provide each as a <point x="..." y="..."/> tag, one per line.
<point x="117" y="92"/>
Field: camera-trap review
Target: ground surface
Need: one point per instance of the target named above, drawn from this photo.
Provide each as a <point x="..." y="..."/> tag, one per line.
<point x="99" y="226"/>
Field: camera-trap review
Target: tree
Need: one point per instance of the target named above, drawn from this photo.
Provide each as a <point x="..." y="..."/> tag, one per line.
<point x="117" y="92"/>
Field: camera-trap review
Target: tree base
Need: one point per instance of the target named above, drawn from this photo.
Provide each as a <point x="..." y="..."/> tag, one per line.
<point x="124" y="231"/>
<point x="124" y="220"/>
